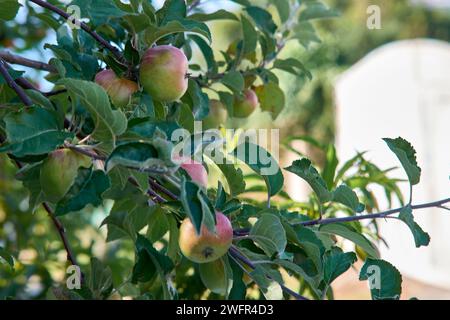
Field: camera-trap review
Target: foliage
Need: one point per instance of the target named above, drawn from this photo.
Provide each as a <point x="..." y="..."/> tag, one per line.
<point x="138" y="194"/>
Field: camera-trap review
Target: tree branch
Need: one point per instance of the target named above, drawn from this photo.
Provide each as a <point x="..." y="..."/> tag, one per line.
<point x="236" y="254"/>
<point x="119" y="56"/>
<point x="383" y="214"/>
<point x="162" y="189"/>
<point x="13" y="85"/>
<point x="62" y="234"/>
<point x="15" y="59"/>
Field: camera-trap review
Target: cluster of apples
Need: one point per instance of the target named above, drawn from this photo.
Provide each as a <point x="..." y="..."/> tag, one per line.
<point x="60" y="169"/>
<point x="163" y="74"/>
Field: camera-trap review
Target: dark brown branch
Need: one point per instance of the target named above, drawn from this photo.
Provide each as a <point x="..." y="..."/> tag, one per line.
<point x="119" y="56"/>
<point x="235" y="253"/>
<point x="15" y="59"/>
<point x="13" y="85"/>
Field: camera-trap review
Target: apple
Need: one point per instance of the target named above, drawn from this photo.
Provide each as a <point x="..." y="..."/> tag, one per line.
<point x="245" y="105"/>
<point x="206" y="246"/>
<point x="58" y="172"/>
<point x="119" y="90"/>
<point x="217" y="115"/>
<point x="163" y="73"/>
<point x="194" y="169"/>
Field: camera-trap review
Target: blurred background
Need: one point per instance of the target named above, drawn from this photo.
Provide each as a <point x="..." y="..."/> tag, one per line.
<point x="367" y="84"/>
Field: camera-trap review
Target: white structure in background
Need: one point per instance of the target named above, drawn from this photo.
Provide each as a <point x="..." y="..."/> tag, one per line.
<point x="403" y="89"/>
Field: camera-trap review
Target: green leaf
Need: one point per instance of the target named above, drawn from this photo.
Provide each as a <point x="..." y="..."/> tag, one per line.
<point x="385" y="281"/>
<point x="331" y="162"/>
<point x="172" y="10"/>
<point x="87" y="189"/>
<point x="271" y="289"/>
<point x="239" y="289"/>
<point x="150" y="263"/>
<point x="197" y="99"/>
<point x="30" y="177"/>
<point x="262" y="18"/>
<point x="216" y="15"/>
<point x="142" y="155"/>
<point x="234" y="81"/>
<point x="336" y="263"/>
<point x="6" y="257"/>
<point x="208" y="53"/>
<point x="98" y="12"/>
<point x="297" y="269"/>
<point x="343" y="194"/>
<point x="305" y="33"/>
<point x="293" y="66"/>
<point x="100" y="280"/>
<point x="269" y="234"/>
<point x="407" y="155"/>
<point x="249" y="36"/>
<point x="351" y="234"/>
<point x="217" y="275"/>
<point x="197" y="206"/>
<point x="309" y="241"/>
<point x="9" y="9"/>
<point x="283" y="7"/>
<point x="33" y="131"/>
<point x="129" y="215"/>
<point x="153" y="33"/>
<point x="234" y="177"/>
<point x="108" y="123"/>
<point x="271" y="98"/>
<point x="306" y="171"/>
<point x="421" y="238"/>
<point x="317" y="10"/>
<point x="261" y="162"/>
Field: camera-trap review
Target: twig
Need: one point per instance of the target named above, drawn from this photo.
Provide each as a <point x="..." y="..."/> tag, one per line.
<point x="16" y="59"/>
<point x="85" y="152"/>
<point x="235" y="253"/>
<point x="193" y="5"/>
<point x="119" y="56"/>
<point x="13" y="85"/>
<point x="374" y="215"/>
<point x="24" y="83"/>
<point x="62" y="234"/>
<point x="163" y="189"/>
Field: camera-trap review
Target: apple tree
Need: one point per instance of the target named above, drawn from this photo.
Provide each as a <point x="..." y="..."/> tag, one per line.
<point x="201" y="213"/>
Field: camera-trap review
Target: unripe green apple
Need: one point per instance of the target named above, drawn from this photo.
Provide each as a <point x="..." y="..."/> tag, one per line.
<point x="245" y="105"/>
<point x="59" y="171"/>
<point x="194" y="169"/>
<point x="217" y="115"/>
<point x="163" y="73"/>
<point x="206" y="246"/>
<point x="119" y="90"/>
